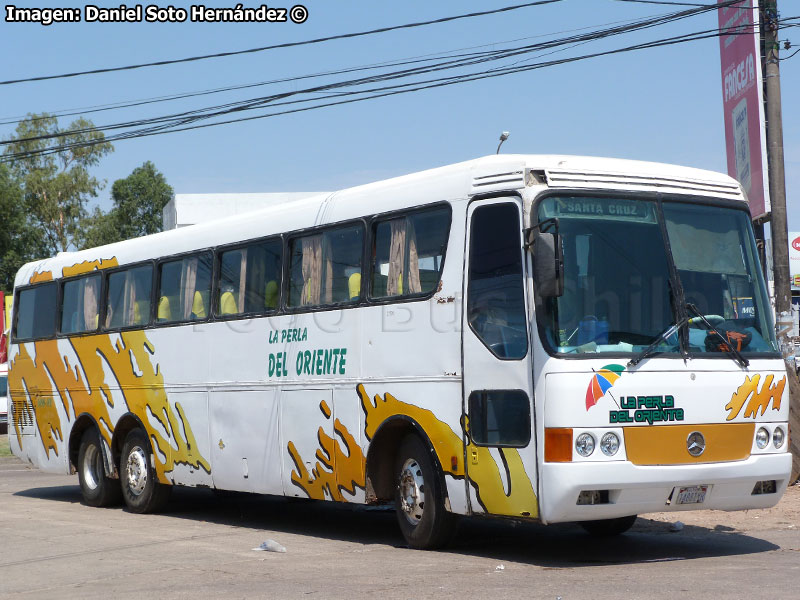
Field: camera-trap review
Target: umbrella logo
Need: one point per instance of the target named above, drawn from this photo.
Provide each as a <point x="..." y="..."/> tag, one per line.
<point x="601" y="382"/>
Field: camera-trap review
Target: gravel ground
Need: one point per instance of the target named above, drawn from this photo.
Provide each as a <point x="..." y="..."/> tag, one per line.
<point x="785" y="515"/>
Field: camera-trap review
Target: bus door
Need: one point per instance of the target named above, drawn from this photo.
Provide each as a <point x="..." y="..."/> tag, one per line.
<point x="499" y="439"/>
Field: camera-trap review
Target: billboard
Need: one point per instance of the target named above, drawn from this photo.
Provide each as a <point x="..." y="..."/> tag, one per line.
<point x="742" y="99"/>
<point x="794" y="259"/>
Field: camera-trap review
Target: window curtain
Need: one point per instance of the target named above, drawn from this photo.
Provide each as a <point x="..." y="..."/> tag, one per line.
<point x="242" y="279"/>
<point x="327" y="263"/>
<point x="403" y="259"/>
<point x="91" y="290"/>
<point x="414" y="285"/>
<point x="111" y="306"/>
<point x="256" y="279"/>
<point x="312" y="270"/>
<point x="188" y="285"/>
<point x="705" y="249"/>
<point x="129" y="309"/>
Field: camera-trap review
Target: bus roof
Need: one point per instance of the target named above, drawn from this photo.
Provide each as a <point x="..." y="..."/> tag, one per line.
<point x="458" y="181"/>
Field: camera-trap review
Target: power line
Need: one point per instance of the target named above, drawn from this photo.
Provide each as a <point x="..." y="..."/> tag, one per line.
<point x="664" y="3"/>
<point x="790" y="56"/>
<point x="468" y="60"/>
<point x="196" y="93"/>
<point x="187" y="121"/>
<point x="441" y="82"/>
<point x="386" y="91"/>
<point x="181" y="96"/>
<point x="284" y="45"/>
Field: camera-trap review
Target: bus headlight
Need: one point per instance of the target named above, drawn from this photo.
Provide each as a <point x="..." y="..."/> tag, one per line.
<point x="762" y="438"/>
<point x="778" y="437"/>
<point x="609" y="443"/>
<point x="584" y="444"/>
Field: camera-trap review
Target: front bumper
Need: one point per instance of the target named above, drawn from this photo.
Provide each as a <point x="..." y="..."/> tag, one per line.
<point x="644" y="489"/>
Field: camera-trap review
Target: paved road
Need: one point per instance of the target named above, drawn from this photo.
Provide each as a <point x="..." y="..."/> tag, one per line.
<point x="54" y="546"/>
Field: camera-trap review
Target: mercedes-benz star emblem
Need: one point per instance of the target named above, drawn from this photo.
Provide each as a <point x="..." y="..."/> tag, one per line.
<point x="696" y="443"/>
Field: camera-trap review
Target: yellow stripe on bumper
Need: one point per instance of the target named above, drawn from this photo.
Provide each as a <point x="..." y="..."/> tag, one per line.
<point x="666" y="444"/>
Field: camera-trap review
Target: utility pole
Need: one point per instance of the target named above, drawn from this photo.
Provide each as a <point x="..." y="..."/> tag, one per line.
<point x="780" y="236"/>
<point x="777" y="177"/>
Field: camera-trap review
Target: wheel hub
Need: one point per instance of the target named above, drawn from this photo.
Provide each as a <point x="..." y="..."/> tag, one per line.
<point x="412" y="491"/>
<point x="136" y="470"/>
<point x="91" y="476"/>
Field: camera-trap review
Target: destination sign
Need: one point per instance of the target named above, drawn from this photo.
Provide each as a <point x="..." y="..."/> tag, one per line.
<point x="593" y="208"/>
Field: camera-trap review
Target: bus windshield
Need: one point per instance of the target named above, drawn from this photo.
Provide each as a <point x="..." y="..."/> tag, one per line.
<point x="619" y="293"/>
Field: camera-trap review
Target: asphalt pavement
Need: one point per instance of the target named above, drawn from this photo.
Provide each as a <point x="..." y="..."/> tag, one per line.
<point x="202" y="546"/>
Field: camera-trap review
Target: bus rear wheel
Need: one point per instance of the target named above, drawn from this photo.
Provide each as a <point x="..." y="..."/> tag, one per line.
<point x="419" y="497"/>
<point x="608" y="527"/>
<point x="140" y="487"/>
<point x="97" y="489"/>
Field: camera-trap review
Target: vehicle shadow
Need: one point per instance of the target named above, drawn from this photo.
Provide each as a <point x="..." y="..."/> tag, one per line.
<point x="551" y="546"/>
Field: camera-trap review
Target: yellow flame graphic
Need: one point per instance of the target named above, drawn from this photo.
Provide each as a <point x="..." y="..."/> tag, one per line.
<point x="760" y="399"/>
<point x="89" y="265"/>
<point x="484" y="472"/>
<point x="446" y="443"/>
<point x="338" y="468"/>
<point x="41" y="276"/>
<point x="82" y="388"/>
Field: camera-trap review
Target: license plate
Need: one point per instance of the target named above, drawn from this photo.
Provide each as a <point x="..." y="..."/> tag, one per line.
<point x="693" y="494"/>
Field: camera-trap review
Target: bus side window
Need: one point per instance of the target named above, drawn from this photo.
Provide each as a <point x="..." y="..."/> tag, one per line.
<point x="495" y="296"/>
<point x="184" y="288"/>
<point x="128" y="297"/>
<point x="80" y="304"/>
<point x="408" y="253"/>
<point x="325" y="268"/>
<point x="249" y="279"/>
<point x="500" y="418"/>
<point x="36" y="312"/>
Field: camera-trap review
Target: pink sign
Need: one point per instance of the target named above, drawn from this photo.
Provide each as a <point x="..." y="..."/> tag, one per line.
<point x="745" y="137"/>
<point x="3" y="341"/>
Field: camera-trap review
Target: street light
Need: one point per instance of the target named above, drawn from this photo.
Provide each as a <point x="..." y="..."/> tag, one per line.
<point x="503" y="138"/>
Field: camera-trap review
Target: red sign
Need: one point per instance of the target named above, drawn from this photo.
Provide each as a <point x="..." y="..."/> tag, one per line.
<point x="796" y="243"/>
<point x="3" y="342"/>
<point x="745" y="135"/>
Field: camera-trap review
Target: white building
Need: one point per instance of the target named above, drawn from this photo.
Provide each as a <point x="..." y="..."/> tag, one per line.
<point x="189" y="209"/>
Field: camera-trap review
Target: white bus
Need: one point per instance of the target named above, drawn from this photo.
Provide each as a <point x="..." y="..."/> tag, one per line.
<point x="535" y="337"/>
<point x="3" y="397"/>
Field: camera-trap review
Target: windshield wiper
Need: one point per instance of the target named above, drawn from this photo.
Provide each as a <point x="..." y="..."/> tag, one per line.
<point x="681" y="319"/>
<point x="661" y="337"/>
<point x="726" y="343"/>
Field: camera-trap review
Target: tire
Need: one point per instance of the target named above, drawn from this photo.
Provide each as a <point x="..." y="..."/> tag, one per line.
<point x="608" y="527"/>
<point x="419" y="497"/>
<point x="97" y="489"/>
<point x="140" y="487"/>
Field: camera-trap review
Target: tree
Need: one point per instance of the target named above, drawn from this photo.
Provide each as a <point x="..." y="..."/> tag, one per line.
<point x="21" y="240"/>
<point x="52" y="166"/>
<point x="139" y="200"/>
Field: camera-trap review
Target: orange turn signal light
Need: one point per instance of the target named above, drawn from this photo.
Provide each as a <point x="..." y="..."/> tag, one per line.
<point x="558" y="444"/>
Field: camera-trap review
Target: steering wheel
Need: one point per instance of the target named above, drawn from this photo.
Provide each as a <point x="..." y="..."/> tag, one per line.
<point x="713" y="319"/>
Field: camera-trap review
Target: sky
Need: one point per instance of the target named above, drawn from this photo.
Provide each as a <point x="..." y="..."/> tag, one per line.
<point x="662" y="104"/>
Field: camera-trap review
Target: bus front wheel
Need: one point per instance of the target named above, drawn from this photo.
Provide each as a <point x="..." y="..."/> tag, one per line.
<point x="140" y="487"/>
<point x="97" y="489"/>
<point x="608" y="527"/>
<point x="419" y="497"/>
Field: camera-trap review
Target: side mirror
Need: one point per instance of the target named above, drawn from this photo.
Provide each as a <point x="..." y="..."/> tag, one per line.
<point x="548" y="264"/>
